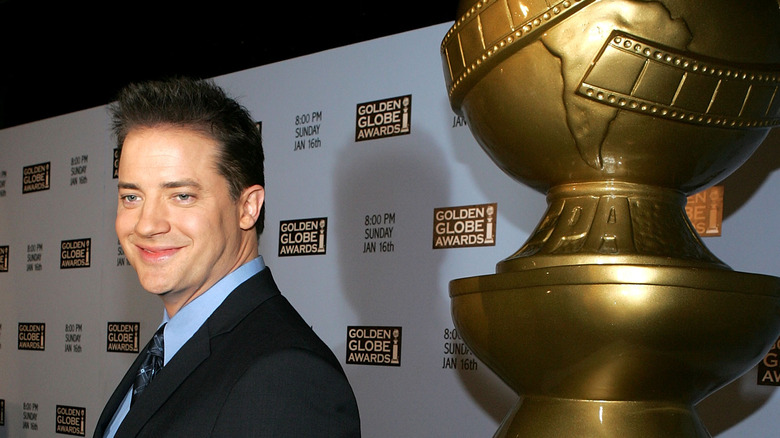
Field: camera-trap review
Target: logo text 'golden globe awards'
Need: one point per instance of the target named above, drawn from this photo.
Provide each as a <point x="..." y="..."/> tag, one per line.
<point x="705" y="211"/>
<point x="3" y="176"/>
<point x="374" y="346"/>
<point x="32" y="336"/>
<point x="115" y="170"/>
<point x="470" y="225"/>
<point x="769" y="368"/>
<point x="71" y="420"/>
<point x="384" y="118"/>
<point x="75" y="253"/>
<point x="303" y="237"/>
<point x="122" y="337"/>
<point x="36" y="177"/>
<point x="4" y="250"/>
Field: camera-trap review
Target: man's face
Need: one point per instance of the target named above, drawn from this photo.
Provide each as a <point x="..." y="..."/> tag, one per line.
<point x="176" y="221"/>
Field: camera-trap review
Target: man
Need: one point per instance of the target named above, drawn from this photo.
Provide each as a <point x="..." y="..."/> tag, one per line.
<point x="238" y="359"/>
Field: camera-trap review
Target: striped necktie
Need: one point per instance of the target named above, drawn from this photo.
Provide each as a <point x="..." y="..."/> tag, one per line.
<point x="151" y="365"/>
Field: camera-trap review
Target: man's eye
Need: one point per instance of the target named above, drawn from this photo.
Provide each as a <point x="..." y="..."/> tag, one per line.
<point x="129" y="198"/>
<point x="184" y="197"/>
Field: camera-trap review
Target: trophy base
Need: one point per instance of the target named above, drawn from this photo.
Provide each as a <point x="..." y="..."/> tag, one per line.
<point x="615" y="350"/>
<point x="541" y="417"/>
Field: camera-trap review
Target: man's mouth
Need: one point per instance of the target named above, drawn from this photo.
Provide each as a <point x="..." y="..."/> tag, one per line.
<point x="156" y="254"/>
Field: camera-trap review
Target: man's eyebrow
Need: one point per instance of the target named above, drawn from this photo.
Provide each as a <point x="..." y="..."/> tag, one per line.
<point x="166" y="185"/>
<point x="181" y="183"/>
<point x="127" y="185"/>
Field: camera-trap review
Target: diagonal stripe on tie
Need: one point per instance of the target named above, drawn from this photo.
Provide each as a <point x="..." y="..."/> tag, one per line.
<point x="151" y="365"/>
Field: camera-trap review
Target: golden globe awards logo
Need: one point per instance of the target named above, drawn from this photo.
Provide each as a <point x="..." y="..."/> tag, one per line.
<point x="116" y="163"/>
<point x="71" y="420"/>
<point x="769" y="368"/>
<point x="466" y="226"/>
<point x="75" y="253"/>
<point x="3" y="176"/>
<point x="374" y="346"/>
<point x="4" y="258"/>
<point x="36" y="177"/>
<point x="384" y="118"/>
<point x="705" y="211"/>
<point x="122" y="337"/>
<point x="303" y="237"/>
<point x="32" y="336"/>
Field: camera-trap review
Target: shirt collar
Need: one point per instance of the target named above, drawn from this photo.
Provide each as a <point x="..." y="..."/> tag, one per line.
<point x="190" y="318"/>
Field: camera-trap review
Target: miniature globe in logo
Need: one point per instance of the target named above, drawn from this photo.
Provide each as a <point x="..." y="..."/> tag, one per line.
<point x="669" y="93"/>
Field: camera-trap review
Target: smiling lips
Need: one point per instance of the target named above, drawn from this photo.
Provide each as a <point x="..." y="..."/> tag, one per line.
<point x="156" y="254"/>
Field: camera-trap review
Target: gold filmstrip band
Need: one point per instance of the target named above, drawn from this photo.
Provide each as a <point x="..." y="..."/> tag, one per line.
<point x="661" y="82"/>
<point x="489" y="28"/>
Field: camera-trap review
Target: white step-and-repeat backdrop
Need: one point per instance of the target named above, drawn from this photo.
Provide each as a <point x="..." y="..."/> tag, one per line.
<point x="363" y="147"/>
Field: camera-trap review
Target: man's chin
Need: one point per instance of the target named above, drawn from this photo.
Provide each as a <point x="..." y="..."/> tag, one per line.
<point x="154" y="287"/>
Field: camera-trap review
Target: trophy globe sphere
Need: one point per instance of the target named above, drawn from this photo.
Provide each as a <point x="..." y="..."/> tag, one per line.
<point x="669" y="93"/>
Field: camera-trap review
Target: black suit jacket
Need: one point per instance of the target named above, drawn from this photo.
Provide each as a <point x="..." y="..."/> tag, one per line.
<point x="254" y="369"/>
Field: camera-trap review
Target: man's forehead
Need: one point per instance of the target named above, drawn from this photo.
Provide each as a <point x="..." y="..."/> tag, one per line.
<point x="175" y="154"/>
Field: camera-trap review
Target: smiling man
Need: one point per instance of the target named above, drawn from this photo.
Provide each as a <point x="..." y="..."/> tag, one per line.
<point x="232" y="358"/>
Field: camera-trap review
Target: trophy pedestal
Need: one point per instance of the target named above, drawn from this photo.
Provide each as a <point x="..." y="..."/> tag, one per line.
<point x="615" y="350"/>
<point x="541" y="417"/>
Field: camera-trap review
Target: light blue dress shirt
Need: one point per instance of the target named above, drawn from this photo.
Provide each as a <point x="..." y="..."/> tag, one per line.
<point x="187" y="321"/>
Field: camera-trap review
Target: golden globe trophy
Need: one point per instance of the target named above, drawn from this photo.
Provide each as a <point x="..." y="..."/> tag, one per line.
<point x="613" y="319"/>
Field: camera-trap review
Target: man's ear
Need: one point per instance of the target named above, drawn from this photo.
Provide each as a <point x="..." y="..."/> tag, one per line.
<point x="250" y="204"/>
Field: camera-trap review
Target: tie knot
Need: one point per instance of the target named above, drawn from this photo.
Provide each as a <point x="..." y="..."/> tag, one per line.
<point x="156" y="348"/>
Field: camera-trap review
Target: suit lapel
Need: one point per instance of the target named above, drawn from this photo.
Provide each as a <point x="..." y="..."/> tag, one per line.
<point x="245" y="298"/>
<point x="119" y="394"/>
<point x="186" y="360"/>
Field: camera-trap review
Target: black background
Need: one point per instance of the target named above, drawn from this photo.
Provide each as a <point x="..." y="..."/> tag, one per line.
<point x="61" y="57"/>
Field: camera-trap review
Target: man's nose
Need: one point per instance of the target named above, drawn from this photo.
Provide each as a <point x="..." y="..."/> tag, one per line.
<point x="153" y="219"/>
